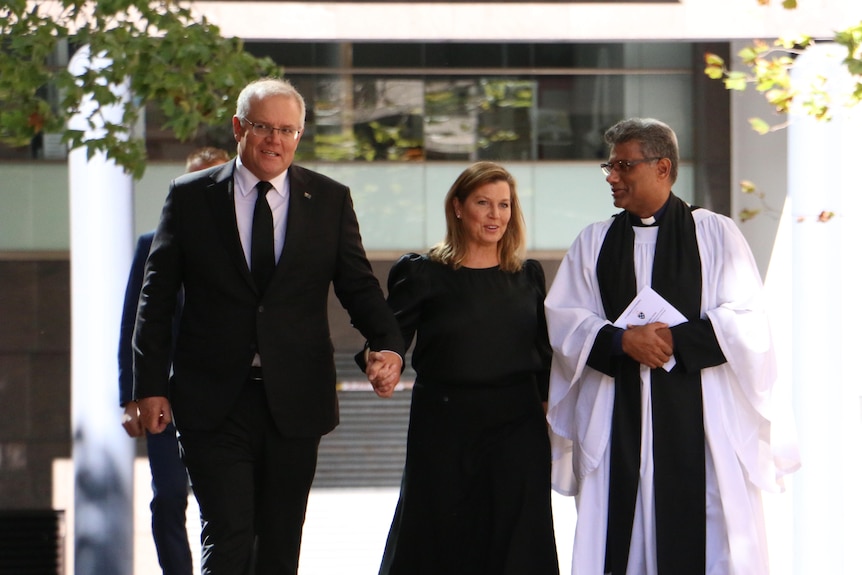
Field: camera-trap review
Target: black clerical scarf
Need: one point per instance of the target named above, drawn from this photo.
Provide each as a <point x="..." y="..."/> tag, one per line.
<point x="677" y="405"/>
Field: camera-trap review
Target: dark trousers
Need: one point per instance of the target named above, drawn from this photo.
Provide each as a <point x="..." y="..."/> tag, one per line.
<point x="170" y="499"/>
<point x="252" y="487"/>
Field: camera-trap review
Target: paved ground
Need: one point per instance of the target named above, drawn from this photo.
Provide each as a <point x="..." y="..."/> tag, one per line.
<point x="344" y="534"/>
<point x="346" y="529"/>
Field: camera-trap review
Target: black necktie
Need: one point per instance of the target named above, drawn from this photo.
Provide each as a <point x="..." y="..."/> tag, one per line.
<point x="262" y="248"/>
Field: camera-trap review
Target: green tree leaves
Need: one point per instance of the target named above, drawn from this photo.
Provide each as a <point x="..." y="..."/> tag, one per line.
<point x="169" y="55"/>
<point x="768" y="68"/>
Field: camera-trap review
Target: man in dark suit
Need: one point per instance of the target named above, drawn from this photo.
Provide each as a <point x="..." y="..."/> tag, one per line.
<point x="253" y="385"/>
<point x="170" y="482"/>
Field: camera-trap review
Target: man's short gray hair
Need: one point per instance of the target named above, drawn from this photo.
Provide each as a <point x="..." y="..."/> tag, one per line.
<point x="264" y="88"/>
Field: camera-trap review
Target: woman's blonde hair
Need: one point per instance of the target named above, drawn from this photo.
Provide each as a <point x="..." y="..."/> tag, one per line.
<point x="453" y="249"/>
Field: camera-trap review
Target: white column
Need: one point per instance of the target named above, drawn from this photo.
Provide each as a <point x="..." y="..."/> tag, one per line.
<point x="823" y="174"/>
<point x="762" y="159"/>
<point x="101" y="212"/>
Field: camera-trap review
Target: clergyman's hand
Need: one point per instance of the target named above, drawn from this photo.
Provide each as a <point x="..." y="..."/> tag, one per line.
<point x="650" y="344"/>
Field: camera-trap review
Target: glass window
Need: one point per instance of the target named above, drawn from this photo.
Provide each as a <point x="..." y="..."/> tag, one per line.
<point x="412" y="101"/>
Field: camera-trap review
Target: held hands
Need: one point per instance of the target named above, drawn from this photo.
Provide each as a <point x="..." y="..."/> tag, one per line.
<point x="155" y="413"/>
<point x="383" y="369"/>
<point x="650" y="344"/>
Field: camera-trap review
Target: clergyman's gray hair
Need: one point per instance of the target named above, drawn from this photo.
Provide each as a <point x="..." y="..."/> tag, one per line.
<point x="657" y="139"/>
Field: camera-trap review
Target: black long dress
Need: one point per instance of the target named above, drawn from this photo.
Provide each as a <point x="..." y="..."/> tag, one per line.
<point x="475" y="494"/>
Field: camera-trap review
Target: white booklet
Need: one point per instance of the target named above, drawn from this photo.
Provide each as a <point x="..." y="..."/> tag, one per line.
<point x="648" y="307"/>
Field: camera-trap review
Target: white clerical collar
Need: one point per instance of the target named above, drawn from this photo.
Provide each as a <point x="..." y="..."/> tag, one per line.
<point x="648" y="221"/>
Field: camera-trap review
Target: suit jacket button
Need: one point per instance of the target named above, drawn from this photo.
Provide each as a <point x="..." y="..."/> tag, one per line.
<point x="260" y="309"/>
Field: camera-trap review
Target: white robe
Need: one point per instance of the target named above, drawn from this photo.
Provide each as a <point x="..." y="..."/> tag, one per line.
<point x="742" y="456"/>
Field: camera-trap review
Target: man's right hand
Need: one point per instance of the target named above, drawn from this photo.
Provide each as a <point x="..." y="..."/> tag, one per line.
<point x="155" y="413"/>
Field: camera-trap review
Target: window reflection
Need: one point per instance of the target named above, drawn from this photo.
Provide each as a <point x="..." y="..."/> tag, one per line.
<point x="505" y="129"/>
<point x="388" y="119"/>
<point x="391" y="102"/>
<point x="404" y="102"/>
<point x="450" y="120"/>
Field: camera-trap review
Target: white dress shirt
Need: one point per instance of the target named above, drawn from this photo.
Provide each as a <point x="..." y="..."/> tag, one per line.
<point x="244" y="198"/>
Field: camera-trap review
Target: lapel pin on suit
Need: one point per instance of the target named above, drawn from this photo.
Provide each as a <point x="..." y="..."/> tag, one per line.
<point x="307" y="195"/>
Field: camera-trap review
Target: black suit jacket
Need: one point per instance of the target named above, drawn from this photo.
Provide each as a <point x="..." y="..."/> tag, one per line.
<point x="130" y="309"/>
<point x="197" y="246"/>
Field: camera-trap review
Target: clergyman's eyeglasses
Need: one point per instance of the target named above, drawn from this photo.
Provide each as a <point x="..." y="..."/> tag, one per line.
<point x="623" y="166"/>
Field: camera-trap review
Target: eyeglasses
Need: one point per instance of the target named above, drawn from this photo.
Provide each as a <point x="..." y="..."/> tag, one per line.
<point x="262" y="130"/>
<point x="623" y="166"/>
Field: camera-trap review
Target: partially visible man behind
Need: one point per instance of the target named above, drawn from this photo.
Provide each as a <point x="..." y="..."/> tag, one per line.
<point x="256" y="245"/>
<point x="667" y="466"/>
<point x="170" y="482"/>
<point x="206" y="157"/>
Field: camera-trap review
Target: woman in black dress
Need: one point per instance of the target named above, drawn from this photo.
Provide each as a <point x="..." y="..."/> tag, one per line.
<point x="475" y="495"/>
